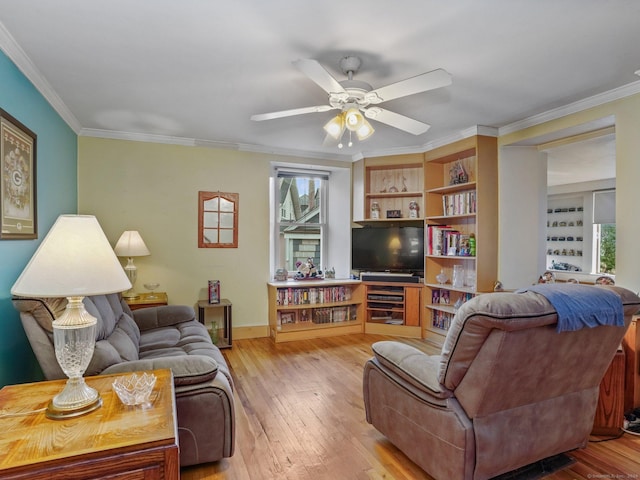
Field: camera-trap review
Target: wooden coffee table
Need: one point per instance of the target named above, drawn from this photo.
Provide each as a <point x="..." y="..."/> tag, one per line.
<point x="115" y="440"/>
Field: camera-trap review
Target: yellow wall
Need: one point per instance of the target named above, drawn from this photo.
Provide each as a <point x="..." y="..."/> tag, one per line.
<point x="153" y="188"/>
<point x="627" y="125"/>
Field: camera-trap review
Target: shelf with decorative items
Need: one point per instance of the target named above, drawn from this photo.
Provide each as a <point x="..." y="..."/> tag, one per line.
<point x="461" y="206"/>
<point x="393" y="188"/>
<point x="314" y="308"/>
<point x="565" y="234"/>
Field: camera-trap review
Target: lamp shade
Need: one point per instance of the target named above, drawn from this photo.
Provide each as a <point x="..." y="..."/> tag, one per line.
<point x="130" y="244"/>
<point x="365" y="130"/>
<point x="74" y="259"/>
<point x="353" y="119"/>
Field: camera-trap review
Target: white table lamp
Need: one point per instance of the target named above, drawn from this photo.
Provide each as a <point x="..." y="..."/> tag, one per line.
<point x="130" y="244"/>
<point x="74" y="260"/>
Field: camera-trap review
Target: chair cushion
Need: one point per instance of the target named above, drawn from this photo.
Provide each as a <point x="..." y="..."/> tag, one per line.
<point x="185" y="339"/>
<point x="187" y="370"/>
<point x="412" y="365"/>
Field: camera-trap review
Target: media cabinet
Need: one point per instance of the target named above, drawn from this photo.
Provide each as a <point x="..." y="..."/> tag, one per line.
<point x="306" y="309"/>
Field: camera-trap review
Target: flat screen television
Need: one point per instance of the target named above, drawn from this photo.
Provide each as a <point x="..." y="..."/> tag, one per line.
<point x="388" y="249"/>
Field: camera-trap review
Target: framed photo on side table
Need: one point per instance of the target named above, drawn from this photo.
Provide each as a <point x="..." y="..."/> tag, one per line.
<point x="18" y="207"/>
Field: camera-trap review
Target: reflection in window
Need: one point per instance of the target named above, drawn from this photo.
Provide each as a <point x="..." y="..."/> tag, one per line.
<point x="217" y="220"/>
<point x="300" y="228"/>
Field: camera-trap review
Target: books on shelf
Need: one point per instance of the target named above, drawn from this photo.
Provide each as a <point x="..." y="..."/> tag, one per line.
<point x="461" y="203"/>
<point x="442" y="296"/>
<point x="441" y="320"/>
<point x="313" y="295"/>
<point x="319" y="315"/>
<point x="447" y="241"/>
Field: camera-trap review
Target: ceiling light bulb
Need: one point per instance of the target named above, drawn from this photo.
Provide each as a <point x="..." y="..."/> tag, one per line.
<point x="353" y="119"/>
<point x="335" y="127"/>
<point x="365" y="131"/>
<point x="340" y="145"/>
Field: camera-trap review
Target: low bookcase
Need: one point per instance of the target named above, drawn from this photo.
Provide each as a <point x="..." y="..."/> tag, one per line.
<point x="314" y="308"/>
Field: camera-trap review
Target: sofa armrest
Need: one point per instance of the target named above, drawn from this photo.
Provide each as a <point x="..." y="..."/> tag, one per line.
<point x="413" y="366"/>
<point x="162" y="316"/>
<point x="187" y="370"/>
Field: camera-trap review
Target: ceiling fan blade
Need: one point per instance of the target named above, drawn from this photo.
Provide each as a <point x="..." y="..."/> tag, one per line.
<point x="420" y="83"/>
<point x="318" y="74"/>
<point x="288" y="113"/>
<point x="396" y="120"/>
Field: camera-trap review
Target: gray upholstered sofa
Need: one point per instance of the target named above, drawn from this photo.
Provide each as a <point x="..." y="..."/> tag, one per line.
<point x="506" y="391"/>
<point x="147" y="339"/>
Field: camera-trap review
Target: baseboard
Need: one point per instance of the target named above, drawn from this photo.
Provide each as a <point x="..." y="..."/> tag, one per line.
<point x="256" y="331"/>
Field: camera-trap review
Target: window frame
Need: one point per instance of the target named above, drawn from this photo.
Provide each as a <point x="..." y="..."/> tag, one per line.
<point x="282" y="252"/>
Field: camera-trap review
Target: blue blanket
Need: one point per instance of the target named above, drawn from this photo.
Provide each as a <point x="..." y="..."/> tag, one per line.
<point x="581" y="306"/>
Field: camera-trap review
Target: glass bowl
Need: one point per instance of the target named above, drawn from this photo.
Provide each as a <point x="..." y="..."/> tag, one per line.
<point x="134" y="389"/>
<point x="151" y="286"/>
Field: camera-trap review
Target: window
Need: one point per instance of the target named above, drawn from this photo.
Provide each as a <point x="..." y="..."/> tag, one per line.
<point x="604" y="231"/>
<point x="605" y="236"/>
<point x="300" y="219"/>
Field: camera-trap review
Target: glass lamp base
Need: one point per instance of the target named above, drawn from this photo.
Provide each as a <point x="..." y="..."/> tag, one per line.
<point x="77" y="398"/>
<point x="57" y="413"/>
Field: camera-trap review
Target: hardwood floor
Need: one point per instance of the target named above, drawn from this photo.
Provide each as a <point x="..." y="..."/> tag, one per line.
<point x="300" y="416"/>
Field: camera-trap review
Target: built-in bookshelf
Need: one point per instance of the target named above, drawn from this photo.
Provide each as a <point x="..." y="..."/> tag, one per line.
<point x="461" y="231"/>
<point x="314" y="308"/>
<point x="393" y="189"/>
<point x="566" y="233"/>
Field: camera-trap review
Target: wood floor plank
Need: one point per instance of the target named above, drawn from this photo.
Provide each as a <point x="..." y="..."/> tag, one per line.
<point x="300" y="416"/>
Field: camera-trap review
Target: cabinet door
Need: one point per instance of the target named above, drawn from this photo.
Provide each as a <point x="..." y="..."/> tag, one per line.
<point x="412" y="306"/>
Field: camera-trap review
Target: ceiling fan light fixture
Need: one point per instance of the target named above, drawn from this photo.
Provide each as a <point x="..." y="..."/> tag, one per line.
<point x="353" y="119"/>
<point x="335" y="126"/>
<point x="365" y="130"/>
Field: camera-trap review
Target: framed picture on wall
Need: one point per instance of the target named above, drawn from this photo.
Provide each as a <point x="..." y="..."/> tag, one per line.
<point x="18" y="207"/>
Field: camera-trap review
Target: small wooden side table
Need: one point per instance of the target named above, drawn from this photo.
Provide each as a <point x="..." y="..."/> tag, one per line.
<point x="114" y="441"/>
<point x="145" y="300"/>
<point x="223" y="341"/>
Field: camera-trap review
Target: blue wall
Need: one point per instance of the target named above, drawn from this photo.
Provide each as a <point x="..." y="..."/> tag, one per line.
<point x="57" y="193"/>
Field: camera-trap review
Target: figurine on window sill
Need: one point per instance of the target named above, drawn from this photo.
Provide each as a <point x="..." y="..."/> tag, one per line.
<point x="307" y="270"/>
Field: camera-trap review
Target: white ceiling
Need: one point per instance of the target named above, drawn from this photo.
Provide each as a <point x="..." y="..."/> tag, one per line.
<point x="194" y="71"/>
<point x="585" y="161"/>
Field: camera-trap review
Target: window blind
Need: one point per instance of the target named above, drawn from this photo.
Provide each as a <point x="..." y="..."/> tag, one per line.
<point x="604" y="206"/>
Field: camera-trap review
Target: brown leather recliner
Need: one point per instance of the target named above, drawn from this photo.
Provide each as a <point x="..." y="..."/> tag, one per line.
<point x="148" y="339"/>
<point x="506" y="391"/>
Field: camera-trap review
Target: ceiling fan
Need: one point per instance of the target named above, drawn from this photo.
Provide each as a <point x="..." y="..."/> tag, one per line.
<point x="356" y="99"/>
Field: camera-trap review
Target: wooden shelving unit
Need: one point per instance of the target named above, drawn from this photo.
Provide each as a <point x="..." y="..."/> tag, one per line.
<point x="393" y="308"/>
<point x="314" y="308"/>
<point x="461" y="192"/>
<point x="392" y="183"/>
<point x="566" y="233"/>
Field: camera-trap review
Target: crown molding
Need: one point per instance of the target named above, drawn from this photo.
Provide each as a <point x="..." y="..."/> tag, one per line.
<point x="293" y="153"/>
<point x="136" y="137"/>
<point x="425" y="147"/>
<point x="575" y="107"/>
<point x="194" y="142"/>
<point x="18" y="56"/>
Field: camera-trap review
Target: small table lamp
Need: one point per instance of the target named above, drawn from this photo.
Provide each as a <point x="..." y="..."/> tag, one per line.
<point x="74" y="260"/>
<point x="130" y="244"/>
